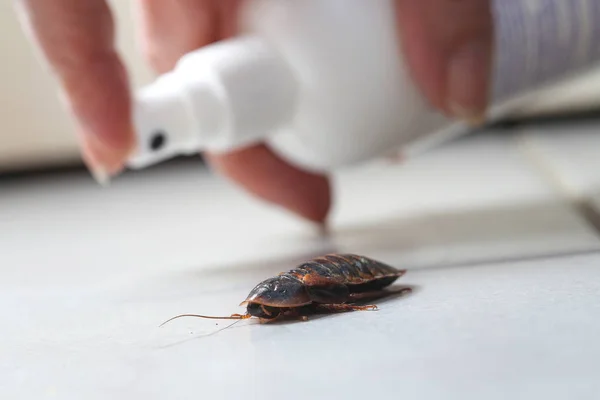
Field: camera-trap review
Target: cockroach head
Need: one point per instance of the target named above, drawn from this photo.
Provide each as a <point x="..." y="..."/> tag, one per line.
<point x="281" y="292"/>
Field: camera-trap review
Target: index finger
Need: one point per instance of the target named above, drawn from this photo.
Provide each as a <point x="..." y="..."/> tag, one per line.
<point x="77" y="38"/>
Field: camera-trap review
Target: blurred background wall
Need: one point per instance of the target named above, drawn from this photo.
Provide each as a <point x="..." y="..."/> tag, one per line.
<point x="36" y="132"/>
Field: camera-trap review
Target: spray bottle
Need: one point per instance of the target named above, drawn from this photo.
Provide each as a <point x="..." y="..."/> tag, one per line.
<point x="325" y="85"/>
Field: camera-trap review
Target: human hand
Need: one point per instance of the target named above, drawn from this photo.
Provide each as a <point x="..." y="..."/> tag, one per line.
<point x="77" y="39"/>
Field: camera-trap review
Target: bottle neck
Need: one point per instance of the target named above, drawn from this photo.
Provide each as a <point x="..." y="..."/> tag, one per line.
<point x="224" y="96"/>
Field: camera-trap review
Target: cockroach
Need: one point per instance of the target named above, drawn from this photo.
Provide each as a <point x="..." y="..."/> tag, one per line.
<point x="332" y="282"/>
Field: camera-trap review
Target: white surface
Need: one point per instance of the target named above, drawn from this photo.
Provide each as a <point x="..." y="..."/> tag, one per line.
<point x="87" y="274"/>
<point x="526" y="330"/>
<point x="478" y="199"/>
<point x="567" y="155"/>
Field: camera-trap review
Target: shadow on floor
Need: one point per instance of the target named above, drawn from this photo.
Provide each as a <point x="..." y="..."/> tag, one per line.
<point x="500" y="234"/>
<point x="475" y="236"/>
<point x="469" y="238"/>
<point x="490" y="234"/>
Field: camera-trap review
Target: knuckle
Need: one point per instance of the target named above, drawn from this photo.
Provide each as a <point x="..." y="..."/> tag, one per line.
<point x="154" y="56"/>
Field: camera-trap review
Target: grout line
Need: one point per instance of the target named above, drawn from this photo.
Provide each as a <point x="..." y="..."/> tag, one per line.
<point x="588" y="211"/>
<point x="536" y="157"/>
<point x="539" y="160"/>
<point x="508" y="260"/>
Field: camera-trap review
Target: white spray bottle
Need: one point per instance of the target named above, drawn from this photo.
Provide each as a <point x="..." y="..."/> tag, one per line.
<point x="324" y="83"/>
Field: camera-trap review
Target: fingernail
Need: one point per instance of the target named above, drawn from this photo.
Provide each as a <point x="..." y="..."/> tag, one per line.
<point x="102" y="161"/>
<point x="467" y="80"/>
<point x="100" y="175"/>
<point x="97" y="170"/>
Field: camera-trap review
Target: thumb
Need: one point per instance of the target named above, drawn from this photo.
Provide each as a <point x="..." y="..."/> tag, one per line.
<point x="449" y="46"/>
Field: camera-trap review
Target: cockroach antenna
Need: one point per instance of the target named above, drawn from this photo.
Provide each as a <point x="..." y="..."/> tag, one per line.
<point x="233" y="316"/>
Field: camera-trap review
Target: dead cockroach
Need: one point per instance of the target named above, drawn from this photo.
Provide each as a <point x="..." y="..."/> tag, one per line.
<point x="328" y="283"/>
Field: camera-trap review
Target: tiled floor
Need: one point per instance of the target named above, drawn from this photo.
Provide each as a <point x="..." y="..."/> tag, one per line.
<point x="505" y="270"/>
<point x="567" y="155"/>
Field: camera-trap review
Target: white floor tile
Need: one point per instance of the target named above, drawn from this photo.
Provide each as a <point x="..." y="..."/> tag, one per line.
<point x="87" y="274"/>
<point x="519" y="330"/>
<point x="479" y="199"/>
<point x="70" y="230"/>
<point x="567" y="154"/>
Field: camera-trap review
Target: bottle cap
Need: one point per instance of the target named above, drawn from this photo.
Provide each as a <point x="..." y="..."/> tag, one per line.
<point x="218" y="98"/>
<point x="163" y="123"/>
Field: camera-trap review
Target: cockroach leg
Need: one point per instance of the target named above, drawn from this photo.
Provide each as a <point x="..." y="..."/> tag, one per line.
<point x="377" y="294"/>
<point x="296" y="313"/>
<point x="291" y="315"/>
<point x="266" y="311"/>
<point x="346" y="307"/>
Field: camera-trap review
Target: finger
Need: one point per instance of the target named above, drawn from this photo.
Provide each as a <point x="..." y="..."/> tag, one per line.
<point x="449" y="47"/>
<point x="76" y="38"/>
<point x="171" y="29"/>
<point x="270" y="178"/>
